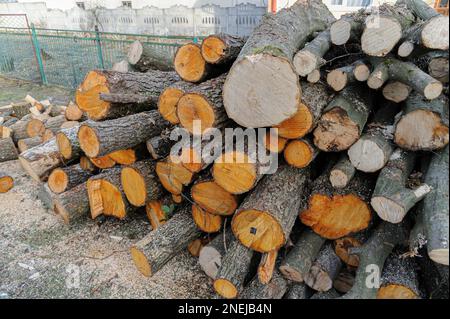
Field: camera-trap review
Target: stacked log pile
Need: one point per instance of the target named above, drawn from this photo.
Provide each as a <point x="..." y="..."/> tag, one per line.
<point x="359" y="114"/>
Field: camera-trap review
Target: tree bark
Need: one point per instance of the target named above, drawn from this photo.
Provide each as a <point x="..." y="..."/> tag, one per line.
<point x="435" y="208"/>
<point x="54" y="123"/>
<point x="40" y="160"/>
<point x="221" y="48"/>
<point x="324" y="270"/>
<point x="65" y="178"/>
<point x="310" y="57"/>
<point x="392" y="199"/>
<point x="298" y="291"/>
<point x="68" y="143"/>
<point x="28" y="143"/>
<point x="372" y="151"/>
<point x="144" y="59"/>
<point x="8" y="151"/>
<point x="299" y="260"/>
<point x="373" y="255"/>
<point x="275" y="289"/>
<point x="153" y="251"/>
<point x="73" y="204"/>
<point x="101" y="138"/>
<point x="264" y="220"/>
<point x="119" y="90"/>
<point x="423" y="125"/>
<point x="229" y="281"/>
<point x="271" y="47"/>
<point x="343" y="120"/>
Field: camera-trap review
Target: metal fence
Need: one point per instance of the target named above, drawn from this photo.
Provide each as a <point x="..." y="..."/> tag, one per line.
<point x="63" y="57"/>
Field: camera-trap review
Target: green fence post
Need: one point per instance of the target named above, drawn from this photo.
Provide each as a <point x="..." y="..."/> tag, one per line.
<point x="38" y="54"/>
<point x="99" y="48"/>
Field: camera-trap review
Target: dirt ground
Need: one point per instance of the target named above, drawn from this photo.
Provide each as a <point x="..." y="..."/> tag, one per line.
<point x="41" y="257"/>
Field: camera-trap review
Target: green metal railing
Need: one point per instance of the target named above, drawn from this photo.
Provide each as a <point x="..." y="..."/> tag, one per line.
<point x="63" y="57"/>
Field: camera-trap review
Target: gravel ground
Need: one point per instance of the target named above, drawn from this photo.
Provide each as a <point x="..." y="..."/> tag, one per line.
<point x="43" y="258"/>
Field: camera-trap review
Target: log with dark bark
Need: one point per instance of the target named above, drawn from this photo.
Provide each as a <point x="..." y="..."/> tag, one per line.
<point x="310" y="57"/>
<point x="343" y="120"/>
<point x="324" y="270"/>
<point x="384" y="29"/>
<point x="423" y="125"/>
<point x="8" y="151"/>
<point x="333" y="213"/>
<point x="372" y="151"/>
<point x="109" y="94"/>
<point x="348" y="28"/>
<point x="391" y="198"/>
<point x="299" y="260"/>
<point x="342" y="173"/>
<point x="203" y="103"/>
<point x="229" y="281"/>
<point x="144" y="58"/>
<point x="6" y="182"/>
<point x="315" y="98"/>
<point x="106" y="195"/>
<point x="211" y="256"/>
<point x="19" y="130"/>
<point x="373" y="255"/>
<point x="101" y="138"/>
<point x="435" y="208"/>
<point x="68" y="143"/>
<point x="54" y="123"/>
<point x="271" y="47"/>
<point x="434" y="277"/>
<point x="275" y="289"/>
<point x="344" y="281"/>
<point x="221" y="48"/>
<point x="140" y="182"/>
<point x="264" y="220"/>
<point x="73" y="204"/>
<point x="27" y="143"/>
<point x="325" y="295"/>
<point x="298" y="291"/>
<point x="40" y="160"/>
<point x="399" y="279"/>
<point x="21" y="109"/>
<point x="153" y="251"/>
<point x="159" y="146"/>
<point x="64" y="178"/>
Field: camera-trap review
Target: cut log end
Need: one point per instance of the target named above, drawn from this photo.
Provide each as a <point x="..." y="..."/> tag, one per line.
<point x="173" y="176"/>
<point x="89" y="142"/>
<point x="58" y="181"/>
<point x="318" y="279"/>
<point x="274" y="143"/>
<point x="141" y="262"/>
<point x="305" y="62"/>
<point x="6" y="183"/>
<point x="380" y="35"/>
<point x="88" y="95"/>
<point x="105" y="198"/>
<point x="123" y="157"/>
<point x="367" y="156"/>
<point x="225" y="288"/>
<point x="337" y="216"/>
<point x="342" y="248"/>
<point x="249" y="78"/>
<point x="214" y="198"/>
<point x="313" y="77"/>
<point x="433" y="90"/>
<point x="361" y="72"/>
<point x="439" y="256"/>
<point x="213" y="49"/>
<point x="135" y="52"/>
<point x="337" y="79"/>
<point x="134" y="186"/>
<point x="421" y="129"/>
<point x="405" y="49"/>
<point x="299" y="153"/>
<point x="396" y="91"/>
<point x="103" y="162"/>
<point x="167" y="104"/>
<point x="338" y="179"/>
<point x="298" y="125"/>
<point x="340" y="32"/>
<point x="396" y="292"/>
<point x="189" y="63"/>
<point x="435" y="33"/>
<point x="205" y="221"/>
<point x="236" y="175"/>
<point x="64" y="145"/>
<point x="291" y="273"/>
<point x="258" y="230"/>
<point x="336" y="131"/>
<point x="388" y="209"/>
<point x="28" y="168"/>
<point x="195" y="108"/>
<point x="73" y="112"/>
<point x="35" y="127"/>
